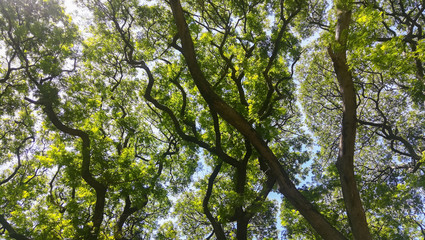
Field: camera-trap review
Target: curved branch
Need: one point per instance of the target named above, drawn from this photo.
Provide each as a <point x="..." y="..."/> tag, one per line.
<point x="99" y="187"/>
<point x="389" y="134"/>
<point x="218" y="230"/>
<point x="229" y="64"/>
<point x="11" y="230"/>
<point x="176" y="122"/>
<point x="18" y="155"/>
<point x="267" y="104"/>
<point x="128" y="210"/>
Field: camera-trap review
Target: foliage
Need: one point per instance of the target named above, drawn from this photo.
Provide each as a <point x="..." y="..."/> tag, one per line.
<point x="169" y="120"/>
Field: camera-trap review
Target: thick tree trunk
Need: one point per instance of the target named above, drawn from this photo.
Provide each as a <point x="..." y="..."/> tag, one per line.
<point x="286" y="186"/>
<point x="242" y="229"/>
<point x="242" y="219"/>
<point x="345" y="162"/>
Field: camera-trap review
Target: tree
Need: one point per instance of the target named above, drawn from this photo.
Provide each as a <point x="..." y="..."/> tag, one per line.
<point x="91" y="169"/>
<point x="388" y="150"/>
<point x="104" y="126"/>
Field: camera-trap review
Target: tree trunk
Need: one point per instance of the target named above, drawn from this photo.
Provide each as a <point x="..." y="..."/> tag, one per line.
<point x="345" y="161"/>
<point x="286" y="186"/>
<point x="242" y="228"/>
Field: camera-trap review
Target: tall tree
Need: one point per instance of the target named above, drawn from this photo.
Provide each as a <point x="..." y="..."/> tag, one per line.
<point x="86" y="168"/>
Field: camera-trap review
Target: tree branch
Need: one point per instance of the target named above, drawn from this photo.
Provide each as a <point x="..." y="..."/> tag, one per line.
<point x="11" y="230"/>
<point x="230" y="115"/>
<point x="218" y="230"/>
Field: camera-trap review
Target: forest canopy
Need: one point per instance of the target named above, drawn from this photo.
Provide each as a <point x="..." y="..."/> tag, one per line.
<point x="242" y="119"/>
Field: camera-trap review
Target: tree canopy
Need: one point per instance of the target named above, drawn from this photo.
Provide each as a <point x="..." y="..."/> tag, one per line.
<point x="133" y="119"/>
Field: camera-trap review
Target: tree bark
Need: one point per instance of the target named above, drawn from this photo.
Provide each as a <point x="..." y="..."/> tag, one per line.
<point x="286" y="186"/>
<point x="345" y="161"/>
